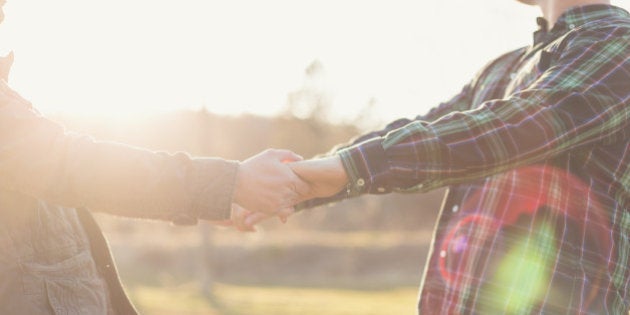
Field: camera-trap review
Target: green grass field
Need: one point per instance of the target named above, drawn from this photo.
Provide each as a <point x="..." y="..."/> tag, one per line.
<point x="251" y="300"/>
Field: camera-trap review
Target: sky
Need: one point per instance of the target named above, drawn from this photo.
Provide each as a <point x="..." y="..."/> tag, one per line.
<point x="124" y="58"/>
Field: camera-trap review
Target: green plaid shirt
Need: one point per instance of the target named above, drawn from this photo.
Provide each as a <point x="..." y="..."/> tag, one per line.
<point x="536" y="149"/>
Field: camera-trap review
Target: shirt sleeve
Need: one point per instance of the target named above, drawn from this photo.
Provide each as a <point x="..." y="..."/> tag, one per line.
<point x="39" y="158"/>
<point x="460" y="101"/>
<point x="580" y="99"/>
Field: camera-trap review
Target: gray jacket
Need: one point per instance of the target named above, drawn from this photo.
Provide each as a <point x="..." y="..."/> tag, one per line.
<point x="53" y="258"/>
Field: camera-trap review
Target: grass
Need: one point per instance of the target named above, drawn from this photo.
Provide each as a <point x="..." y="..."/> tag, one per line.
<point x="297" y="272"/>
<point x="257" y="300"/>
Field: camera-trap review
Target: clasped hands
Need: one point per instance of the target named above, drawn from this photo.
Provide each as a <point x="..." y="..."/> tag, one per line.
<point x="272" y="182"/>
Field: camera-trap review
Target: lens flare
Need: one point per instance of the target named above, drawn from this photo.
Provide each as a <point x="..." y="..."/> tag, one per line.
<point x="507" y="241"/>
<point x="522" y="276"/>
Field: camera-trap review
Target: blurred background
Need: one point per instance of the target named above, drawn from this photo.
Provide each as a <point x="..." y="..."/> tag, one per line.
<point x="232" y="78"/>
<point x="361" y="256"/>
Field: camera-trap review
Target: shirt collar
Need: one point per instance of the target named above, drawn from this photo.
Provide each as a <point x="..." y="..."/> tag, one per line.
<point x="576" y="17"/>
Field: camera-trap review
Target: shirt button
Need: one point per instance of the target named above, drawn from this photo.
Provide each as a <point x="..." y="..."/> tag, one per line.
<point x="381" y="189"/>
<point x="455" y="208"/>
<point x="571" y="26"/>
<point x="360" y="182"/>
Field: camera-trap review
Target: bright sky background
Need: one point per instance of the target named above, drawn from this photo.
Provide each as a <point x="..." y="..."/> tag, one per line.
<point x="119" y="58"/>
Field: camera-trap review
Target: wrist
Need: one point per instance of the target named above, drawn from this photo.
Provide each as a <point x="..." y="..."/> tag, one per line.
<point x="367" y="168"/>
<point x="238" y="183"/>
<point x="338" y="171"/>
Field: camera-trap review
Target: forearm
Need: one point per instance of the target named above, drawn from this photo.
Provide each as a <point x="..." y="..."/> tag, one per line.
<point x="37" y="157"/>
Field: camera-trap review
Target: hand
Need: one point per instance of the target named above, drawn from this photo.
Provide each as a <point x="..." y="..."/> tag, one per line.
<point x="245" y="220"/>
<point x="325" y="176"/>
<point x="265" y="183"/>
<point x="238" y="216"/>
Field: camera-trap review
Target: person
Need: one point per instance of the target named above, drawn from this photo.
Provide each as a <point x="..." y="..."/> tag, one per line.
<point x="535" y="151"/>
<point x="53" y="257"/>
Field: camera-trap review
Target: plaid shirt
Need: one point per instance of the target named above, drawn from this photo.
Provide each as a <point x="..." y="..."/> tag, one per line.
<point x="536" y="152"/>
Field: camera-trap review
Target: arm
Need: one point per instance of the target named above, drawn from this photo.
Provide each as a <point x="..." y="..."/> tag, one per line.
<point x="460" y="102"/>
<point x="38" y="158"/>
<point x="323" y="177"/>
<point x="579" y="100"/>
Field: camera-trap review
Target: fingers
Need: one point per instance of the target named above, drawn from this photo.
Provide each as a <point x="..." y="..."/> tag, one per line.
<point x="285" y="213"/>
<point x="254" y="218"/>
<point x="245" y="221"/>
<point x="265" y="183"/>
<point x="239" y="217"/>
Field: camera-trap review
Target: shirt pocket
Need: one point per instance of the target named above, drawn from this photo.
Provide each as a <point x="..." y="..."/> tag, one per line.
<point x="69" y="287"/>
<point x="76" y="296"/>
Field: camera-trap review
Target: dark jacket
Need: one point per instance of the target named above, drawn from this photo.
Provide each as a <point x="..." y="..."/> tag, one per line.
<point x="53" y="258"/>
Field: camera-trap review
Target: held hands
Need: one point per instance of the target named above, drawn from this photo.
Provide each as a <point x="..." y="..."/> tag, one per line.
<point x="279" y="190"/>
<point x="266" y="184"/>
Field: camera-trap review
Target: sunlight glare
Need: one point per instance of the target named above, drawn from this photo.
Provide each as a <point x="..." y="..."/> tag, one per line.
<point x="121" y="58"/>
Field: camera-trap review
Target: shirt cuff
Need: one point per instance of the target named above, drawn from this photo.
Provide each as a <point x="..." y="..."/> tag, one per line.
<point x="367" y="167"/>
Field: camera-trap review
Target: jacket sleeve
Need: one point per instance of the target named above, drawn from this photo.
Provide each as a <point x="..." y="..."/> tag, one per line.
<point x="39" y="158"/>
